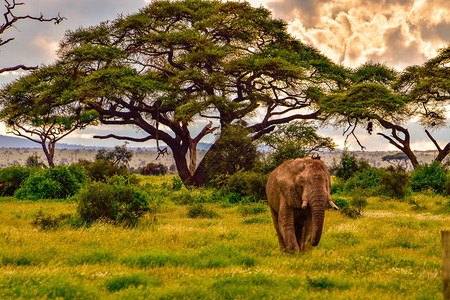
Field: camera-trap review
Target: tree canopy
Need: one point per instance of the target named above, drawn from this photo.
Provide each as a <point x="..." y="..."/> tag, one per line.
<point x="379" y="96"/>
<point x="177" y="64"/>
<point x="38" y="108"/>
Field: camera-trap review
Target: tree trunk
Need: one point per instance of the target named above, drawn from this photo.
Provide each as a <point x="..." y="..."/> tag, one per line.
<point x="403" y="144"/>
<point x="49" y="154"/>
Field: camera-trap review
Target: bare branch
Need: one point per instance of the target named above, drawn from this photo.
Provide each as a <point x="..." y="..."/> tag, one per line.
<point x="23" y="67"/>
<point x="117" y="137"/>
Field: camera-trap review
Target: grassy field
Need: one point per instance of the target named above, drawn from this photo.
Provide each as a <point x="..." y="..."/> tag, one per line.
<point x="392" y="252"/>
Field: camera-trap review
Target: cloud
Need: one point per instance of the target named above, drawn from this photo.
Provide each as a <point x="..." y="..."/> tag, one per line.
<point x="351" y="32"/>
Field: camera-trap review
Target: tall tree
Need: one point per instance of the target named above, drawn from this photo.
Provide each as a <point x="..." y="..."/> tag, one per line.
<point x="39" y="107"/>
<point x="176" y="65"/>
<point x="381" y="97"/>
<point x="10" y="20"/>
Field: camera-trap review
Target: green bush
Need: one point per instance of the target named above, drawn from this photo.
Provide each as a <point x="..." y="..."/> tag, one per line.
<point x="247" y="184"/>
<point x="119" y="203"/>
<point x="102" y="169"/>
<point x="367" y="179"/>
<point x="429" y="177"/>
<point x="348" y="165"/>
<point x="340" y="202"/>
<point x="357" y="203"/>
<point x="52" y="183"/>
<point x="337" y="185"/>
<point x="11" y="178"/>
<point x="394" y="182"/>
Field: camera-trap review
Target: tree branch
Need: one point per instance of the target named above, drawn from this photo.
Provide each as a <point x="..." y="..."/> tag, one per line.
<point x="23" y="67"/>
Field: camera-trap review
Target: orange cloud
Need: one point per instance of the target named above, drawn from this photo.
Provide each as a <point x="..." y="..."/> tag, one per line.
<point x="351" y="32"/>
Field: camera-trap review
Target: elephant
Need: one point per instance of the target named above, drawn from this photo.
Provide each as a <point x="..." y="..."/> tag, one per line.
<point x="298" y="192"/>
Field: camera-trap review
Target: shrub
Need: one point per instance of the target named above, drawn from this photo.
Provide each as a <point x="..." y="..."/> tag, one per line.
<point x="348" y="165"/>
<point x="429" y="176"/>
<point x="233" y="151"/>
<point x="357" y="203"/>
<point x="153" y="169"/>
<point x="52" y="183"/>
<point x="394" y="182"/>
<point x="367" y="179"/>
<point x="46" y="221"/>
<point x="337" y="185"/>
<point x="247" y="184"/>
<point x="34" y="161"/>
<point x="119" y="203"/>
<point x="340" y="202"/>
<point x="11" y="178"/>
<point x="102" y="169"/>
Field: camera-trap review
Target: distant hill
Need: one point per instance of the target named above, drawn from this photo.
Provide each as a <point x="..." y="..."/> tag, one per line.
<point x="16" y="142"/>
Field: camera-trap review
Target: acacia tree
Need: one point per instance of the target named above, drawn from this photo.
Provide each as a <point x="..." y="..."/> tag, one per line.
<point x="39" y="108"/>
<point x="176" y="65"/>
<point x="10" y="19"/>
<point x="381" y="97"/>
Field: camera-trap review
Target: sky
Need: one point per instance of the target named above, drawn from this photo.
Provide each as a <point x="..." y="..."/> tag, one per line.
<point x="399" y="33"/>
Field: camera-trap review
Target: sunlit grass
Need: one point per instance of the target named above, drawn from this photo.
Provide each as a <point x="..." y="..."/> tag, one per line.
<point x="391" y="252"/>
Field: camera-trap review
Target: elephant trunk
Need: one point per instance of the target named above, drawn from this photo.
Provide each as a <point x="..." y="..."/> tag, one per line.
<point x="318" y="214"/>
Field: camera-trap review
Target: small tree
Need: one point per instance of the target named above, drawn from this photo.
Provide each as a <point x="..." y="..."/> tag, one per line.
<point x="36" y="107"/>
<point x="120" y="156"/>
<point x="294" y="140"/>
<point x="348" y="165"/>
<point x="34" y="161"/>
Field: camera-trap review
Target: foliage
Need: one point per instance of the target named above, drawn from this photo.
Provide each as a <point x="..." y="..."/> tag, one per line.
<point x="429" y="176"/>
<point x="11" y="178"/>
<point x="153" y="169"/>
<point x="348" y="165"/>
<point x="173" y="62"/>
<point x="294" y="140"/>
<point x="198" y="210"/>
<point x="367" y="179"/>
<point x="357" y="203"/>
<point x="244" y="183"/>
<point x="120" y="156"/>
<point x="52" y="183"/>
<point x="120" y="203"/>
<point x="234" y="151"/>
<point x="101" y="170"/>
<point x="36" y="107"/>
<point x="394" y="182"/>
<point x="34" y="161"/>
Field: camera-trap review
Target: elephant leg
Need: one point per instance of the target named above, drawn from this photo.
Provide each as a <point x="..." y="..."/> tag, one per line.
<point x="287" y="227"/>
<point x="277" y="228"/>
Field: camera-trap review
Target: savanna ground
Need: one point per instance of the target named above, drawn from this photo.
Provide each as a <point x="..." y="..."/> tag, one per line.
<point x="392" y="252"/>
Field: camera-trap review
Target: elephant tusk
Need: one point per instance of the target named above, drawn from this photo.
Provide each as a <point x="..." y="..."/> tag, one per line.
<point x="304" y="204"/>
<point x="333" y="205"/>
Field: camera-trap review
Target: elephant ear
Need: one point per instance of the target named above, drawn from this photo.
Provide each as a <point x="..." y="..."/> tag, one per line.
<point x="288" y="190"/>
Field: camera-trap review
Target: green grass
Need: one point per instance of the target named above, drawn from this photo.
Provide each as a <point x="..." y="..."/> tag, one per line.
<point x="392" y="252"/>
